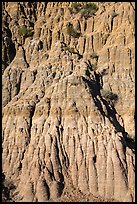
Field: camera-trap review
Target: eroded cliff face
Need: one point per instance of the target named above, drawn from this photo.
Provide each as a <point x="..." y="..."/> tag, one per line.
<point x="60" y="133"/>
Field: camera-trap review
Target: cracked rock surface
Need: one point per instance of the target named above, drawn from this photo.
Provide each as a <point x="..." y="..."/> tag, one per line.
<point x="63" y="140"/>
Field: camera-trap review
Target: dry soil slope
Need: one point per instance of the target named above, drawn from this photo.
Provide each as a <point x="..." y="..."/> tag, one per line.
<point x="59" y="131"/>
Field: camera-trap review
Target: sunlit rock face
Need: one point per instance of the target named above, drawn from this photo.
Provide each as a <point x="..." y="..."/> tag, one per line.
<point x="68" y="101"/>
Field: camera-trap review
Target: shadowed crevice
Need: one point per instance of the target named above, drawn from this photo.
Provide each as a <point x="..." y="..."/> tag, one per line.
<point x="95" y="86"/>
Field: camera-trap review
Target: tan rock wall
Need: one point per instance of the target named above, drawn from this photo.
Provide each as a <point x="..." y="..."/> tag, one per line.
<point x="57" y="127"/>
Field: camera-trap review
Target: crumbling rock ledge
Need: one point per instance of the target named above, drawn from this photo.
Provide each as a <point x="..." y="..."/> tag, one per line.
<point x="63" y="139"/>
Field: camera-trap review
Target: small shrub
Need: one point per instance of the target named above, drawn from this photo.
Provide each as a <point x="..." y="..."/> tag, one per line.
<point x="94" y="55"/>
<point x="114" y="14"/>
<point x="86" y="10"/>
<point x="72" y="32"/>
<point x="130" y="137"/>
<point x="108" y="95"/>
<point x="90" y="6"/>
<point x="87" y="13"/>
<point x="70" y="49"/>
<point x="76" y="5"/>
<point x="26" y="32"/>
<point x="70" y="9"/>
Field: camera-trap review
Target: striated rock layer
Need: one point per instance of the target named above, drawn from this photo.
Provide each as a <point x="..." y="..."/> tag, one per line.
<point x="59" y="131"/>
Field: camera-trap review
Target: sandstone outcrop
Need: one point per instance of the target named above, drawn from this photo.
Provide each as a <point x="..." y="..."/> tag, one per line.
<point x="61" y="134"/>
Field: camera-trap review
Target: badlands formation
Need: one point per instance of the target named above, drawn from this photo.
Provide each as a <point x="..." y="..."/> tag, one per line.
<point x="68" y="101"/>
